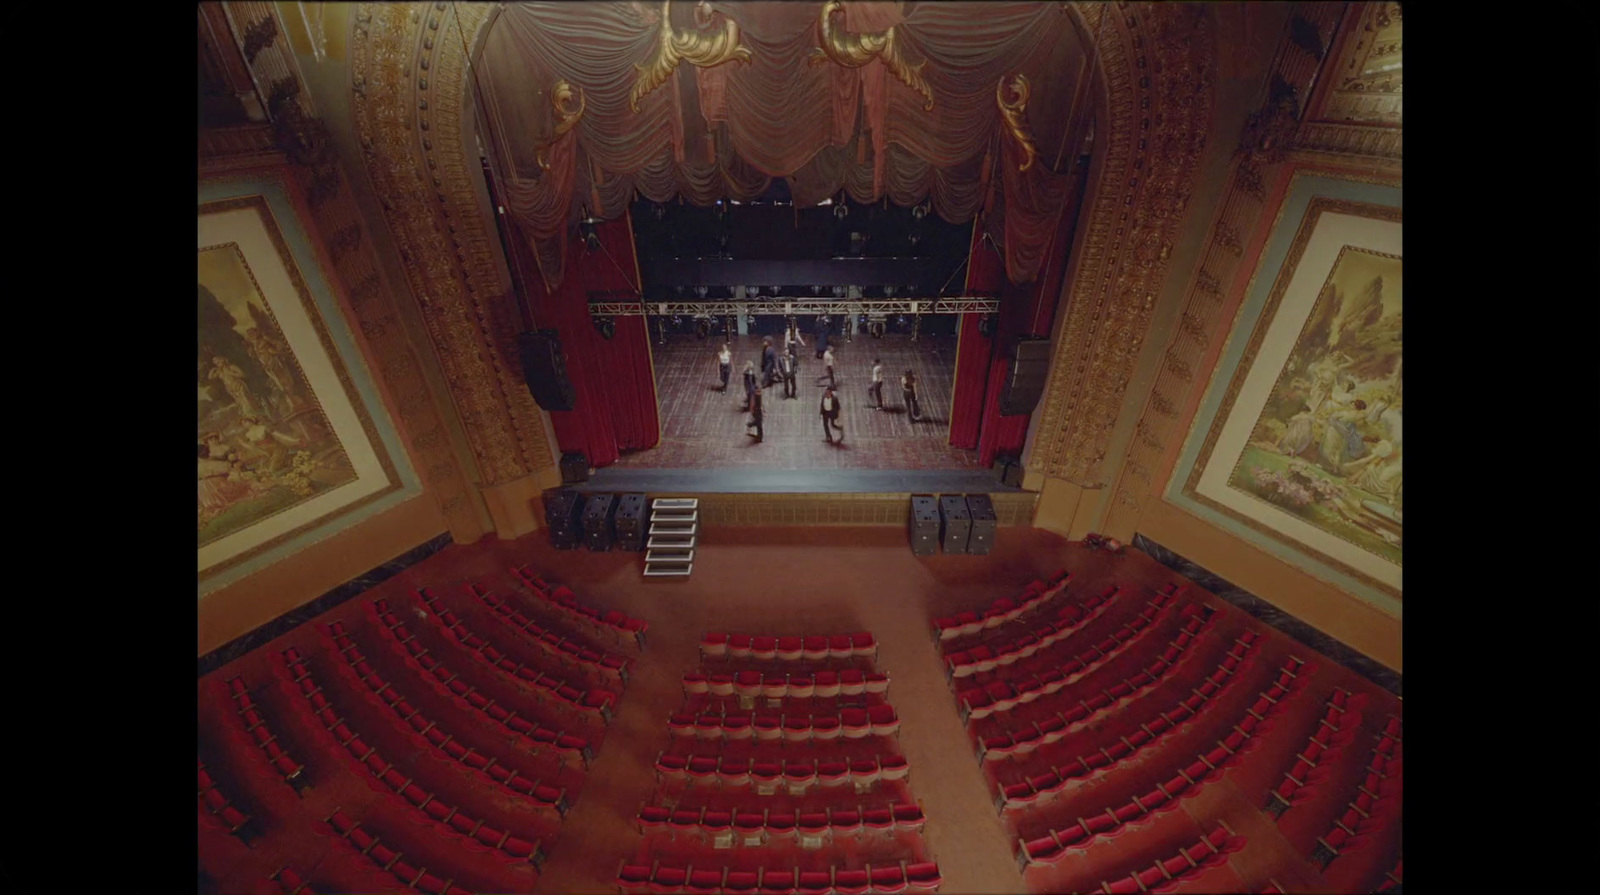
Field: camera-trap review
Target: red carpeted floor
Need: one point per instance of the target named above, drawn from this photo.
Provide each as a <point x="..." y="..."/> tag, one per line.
<point x="778" y="581"/>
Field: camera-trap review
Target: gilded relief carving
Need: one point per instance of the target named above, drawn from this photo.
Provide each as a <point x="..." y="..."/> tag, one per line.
<point x="703" y="50"/>
<point x="410" y="130"/>
<point x="855" y="49"/>
<point x="1015" y="114"/>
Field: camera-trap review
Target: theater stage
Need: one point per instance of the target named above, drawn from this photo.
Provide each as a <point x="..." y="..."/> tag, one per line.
<point x="703" y="427"/>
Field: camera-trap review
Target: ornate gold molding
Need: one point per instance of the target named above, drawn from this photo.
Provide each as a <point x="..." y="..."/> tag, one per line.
<point x="1157" y="64"/>
<point x="1015" y="114"/>
<point x="854" y="49"/>
<point x="696" y="48"/>
<point x="1208" y="308"/>
<point x="566" y="118"/>
<point x="408" y="82"/>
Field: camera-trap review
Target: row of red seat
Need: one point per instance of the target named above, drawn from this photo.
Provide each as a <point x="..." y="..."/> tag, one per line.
<point x="852" y="723"/>
<point x="1002" y="610"/>
<point x="614" y="624"/>
<point x="383" y="776"/>
<point x="890" y="879"/>
<point x="1003" y="696"/>
<point x="766" y="776"/>
<point x="427" y="735"/>
<point x="757" y="828"/>
<point x="750" y="685"/>
<point x="1391" y="879"/>
<point x="1169" y="874"/>
<point x="1053" y="847"/>
<point x="1020" y="742"/>
<point x="256" y="726"/>
<point x="594" y="705"/>
<point x="811" y="648"/>
<point x="983" y="657"/>
<point x="1024" y="793"/>
<point x="291" y="883"/>
<point x="579" y="655"/>
<point x="449" y="684"/>
<point x="221" y="807"/>
<point x="1339" y="724"/>
<point x="388" y="859"/>
<point x="1374" y="806"/>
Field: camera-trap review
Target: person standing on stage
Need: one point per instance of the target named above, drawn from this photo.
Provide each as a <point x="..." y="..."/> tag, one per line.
<point x="724" y="364"/>
<point x="791" y="339"/>
<point x="786" y="364"/>
<point x="827" y="363"/>
<point x="822" y="336"/>
<point x="755" y="416"/>
<point x="769" y="362"/>
<point x="830" y="416"/>
<point x="876" y="388"/>
<point x="749" y="382"/>
<point x="908" y="390"/>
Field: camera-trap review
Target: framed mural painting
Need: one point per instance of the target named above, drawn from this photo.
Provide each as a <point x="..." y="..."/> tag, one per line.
<point x="1306" y="447"/>
<point x="285" y="443"/>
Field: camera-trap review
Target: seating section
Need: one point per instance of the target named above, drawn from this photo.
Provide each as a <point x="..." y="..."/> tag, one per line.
<point x="784" y="774"/>
<point x="256" y="726"/>
<point x="565" y="650"/>
<point x="391" y="861"/>
<point x="1391" y="879"/>
<point x="1003" y="610"/>
<point x="1190" y="863"/>
<point x="1093" y="719"/>
<point x="291" y="883"/>
<point x="220" y="809"/>
<point x="593" y="705"/>
<point x="451" y="685"/>
<point x="564" y="603"/>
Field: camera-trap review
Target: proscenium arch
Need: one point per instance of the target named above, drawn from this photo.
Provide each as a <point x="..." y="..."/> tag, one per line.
<point x="1151" y="82"/>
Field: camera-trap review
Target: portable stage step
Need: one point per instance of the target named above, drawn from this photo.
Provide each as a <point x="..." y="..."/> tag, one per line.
<point x="674" y="529"/>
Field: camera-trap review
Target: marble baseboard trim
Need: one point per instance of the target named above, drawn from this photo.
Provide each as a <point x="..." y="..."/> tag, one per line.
<point x="1364" y="665"/>
<point x="298" y="616"/>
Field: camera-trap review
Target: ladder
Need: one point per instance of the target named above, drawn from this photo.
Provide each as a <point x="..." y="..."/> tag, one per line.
<point x="674" y="525"/>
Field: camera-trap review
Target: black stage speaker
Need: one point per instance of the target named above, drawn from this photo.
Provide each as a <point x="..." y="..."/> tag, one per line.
<point x="597" y="531"/>
<point x="955" y="524"/>
<point x="1030" y="364"/>
<point x="1008" y="471"/>
<point x="630" y="522"/>
<point x="981" y="510"/>
<point x="562" y="508"/>
<point x="545" y="370"/>
<point x="574" y="467"/>
<point x="924" y="525"/>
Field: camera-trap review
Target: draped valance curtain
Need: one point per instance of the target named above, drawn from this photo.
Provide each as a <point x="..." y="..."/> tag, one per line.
<point x="708" y="132"/>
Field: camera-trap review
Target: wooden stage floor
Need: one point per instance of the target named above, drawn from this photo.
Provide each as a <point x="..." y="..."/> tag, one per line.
<point x="703" y="427"/>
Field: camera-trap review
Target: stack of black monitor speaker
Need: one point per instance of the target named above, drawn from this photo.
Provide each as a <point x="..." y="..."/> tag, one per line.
<point x="924" y="524"/>
<point x="957" y="523"/>
<point x="630" y="522"/>
<point x="598" y="533"/>
<point x="563" y="512"/>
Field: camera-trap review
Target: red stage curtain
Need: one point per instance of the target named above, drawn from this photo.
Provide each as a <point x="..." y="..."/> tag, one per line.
<point x="615" y="386"/>
<point x="986" y="275"/>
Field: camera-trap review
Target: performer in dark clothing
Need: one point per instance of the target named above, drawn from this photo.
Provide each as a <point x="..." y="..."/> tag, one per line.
<point x="755" y="416"/>
<point x="786" y="362"/>
<point x="908" y="390"/>
<point x="822" y="336"/>
<point x="749" y="382"/>
<point x="830" y="416"/>
<point x="769" y="363"/>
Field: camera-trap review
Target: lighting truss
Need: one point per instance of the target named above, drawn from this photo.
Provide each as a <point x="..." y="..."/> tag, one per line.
<point x="610" y="307"/>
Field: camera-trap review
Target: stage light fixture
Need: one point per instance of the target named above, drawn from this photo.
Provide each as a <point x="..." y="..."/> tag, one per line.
<point x="986" y="326"/>
<point x="702" y="327"/>
<point x="606" y="326"/>
<point x="587" y="231"/>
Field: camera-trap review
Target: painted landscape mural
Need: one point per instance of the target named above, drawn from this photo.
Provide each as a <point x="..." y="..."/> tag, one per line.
<point x="1327" y="446"/>
<point x="264" y="443"/>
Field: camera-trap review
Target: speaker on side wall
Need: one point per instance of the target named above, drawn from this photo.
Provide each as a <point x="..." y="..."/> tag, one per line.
<point x="545" y="370"/>
<point x="1030" y="364"/>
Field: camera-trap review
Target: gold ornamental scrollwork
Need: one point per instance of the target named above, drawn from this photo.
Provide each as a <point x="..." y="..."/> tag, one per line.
<point x="566" y="119"/>
<point x="855" y="49"/>
<point x="1015" y="113"/>
<point x="693" y="47"/>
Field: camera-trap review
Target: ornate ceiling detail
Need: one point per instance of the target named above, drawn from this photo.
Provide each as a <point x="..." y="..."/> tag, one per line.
<point x="1358" y="110"/>
<point x="1156" y="80"/>
<point x="566" y="118"/>
<point x="699" y="49"/>
<point x="412" y="138"/>
<point x="1015" y="114"/>
<point x="855" y="49"/>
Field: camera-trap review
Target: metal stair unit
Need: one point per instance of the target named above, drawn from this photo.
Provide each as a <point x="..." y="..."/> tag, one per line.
<point x="674" y="526"/>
